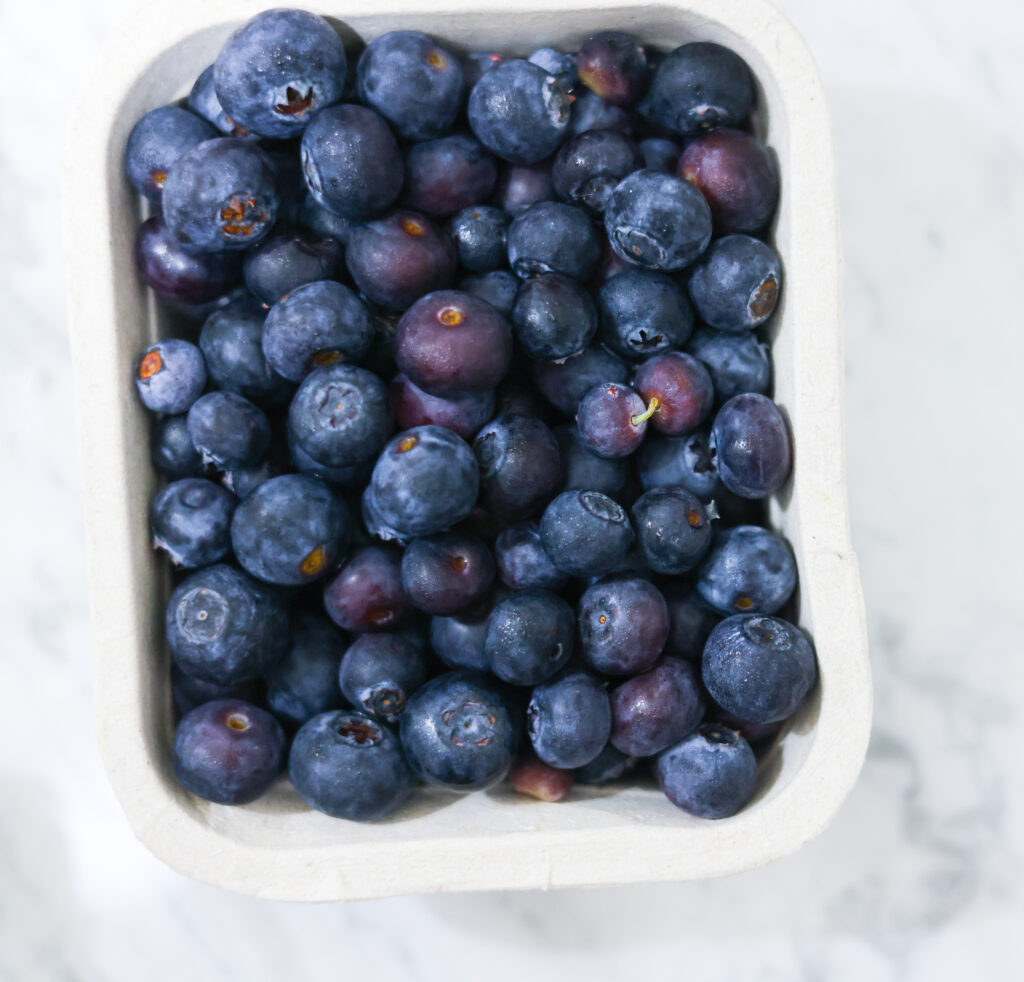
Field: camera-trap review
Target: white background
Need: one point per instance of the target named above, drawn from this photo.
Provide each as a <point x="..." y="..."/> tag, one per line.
<point x="918" y="879"/>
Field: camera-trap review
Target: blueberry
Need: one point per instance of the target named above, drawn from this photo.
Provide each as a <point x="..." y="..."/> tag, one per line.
<point x="340" y="415"/>
<point x="522" y="561"/>
<point x="188" y="692"/>
<point x="585" y="533"/>
<point x="224" y="627"/>
<point x="737" y="363"/>
<point x="480" y="233"/>
<point x="459" y="640"/>
<point x="607" y="767"/>
<point x="291" y="530"/>
<point x="684" y="461"/>
<point x="623" y="625"/>
<point x="589" y="166"/>
<point x="171" y="376"/>
<point x="710" y="774"/>
<point x="557" y="63"/>
<point x="450" y="341"/>
<point x="749" y="570"/>
<point x="228" y="751"/>
<point x="690" y="623"/>
<point x="673" y="530"/>
<point x="445" y="175"/>
<point x="529" y="636"/>
<point x="375" y="524"/>
<point x="347" y="765"/>
<point x="397" y="259"/>
<point x="519" y="112"/>
<point x="682" y="387"/>
<point x="447" y="573"/>
<point x="379" y="673"/>
<point x="521" y="186"/>
<point x="758" y="668"/>
<point x="565" y="383"/>
<point x="652" y="711"/>
<point x="203" y="101"/>
<point x="591" y="112"/>
<point x="459" y="732"/>
<point x="461" y="412"/>
<point x="660" y="154"/>
<point x="612" y="420"/>
<point x="242" y="481"/>
<point x="759" y="735"/>
<point x="169" y="269"/>
<point x="736" y="175"/>
<point x="281" y="263"/>
<point x="316" y="324"/>
<point x="554" y="317"/>
<point x="657" y="221"/>
<point x="228" y="430"/>
<point x="520" y="466"/>
<point x="231" y="343"/>
<point x="751" y="441"/>
<point x="221" y="195"/>
<point x="367" y="594"/>
<point x="584" y="469"/>
<point x="315" y="219"/>
<point x="700" y="86"/>
<point x="735" y="286"/>
<point x="498" y="288"/>
<point x="191" y="521"/>
<point x="643" y="313"/>
<point x="351" y="162"/>
<point x="569" y="720"/>
<point x="305" y="682"/>
<point x="171" y="448"/>
<point x="346" y="476"/>
<point x="614" y="66"/>
<point x="478" y="63"/>
<point x="276" y="70"/>
<point x="551" y="237"/>
<point x="156" y="141"/>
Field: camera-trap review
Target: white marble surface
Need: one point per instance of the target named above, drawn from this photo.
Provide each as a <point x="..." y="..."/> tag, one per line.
<point x="918" y="879"/>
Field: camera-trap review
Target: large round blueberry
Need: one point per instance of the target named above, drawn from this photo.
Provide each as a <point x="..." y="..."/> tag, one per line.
<point x="281" y="263"/>
<point x="367" y="594"/>
<point x="351" y="162"/>
<point x="673" y="530"/>
<point x="613" y="65"/>
<point x="520" y="466"/>
<point x="292" y="529"/>
<point x="554" y="317"/>
<point x="277" y="69"/>
<point x="347" y="765"/>
<point x="737" y="363"/>
<point x="682" y="388"/>
<point x="749" y="570"/>
<point x="623" y="625"/>
<point x="736" y="284"/>
<point x="379" y="673"/>
<point x="315" y="219"/>
<point x="643" y="313"/>
<point x="460" y="732"/>
<point x="519" y="112"/>
<point x="459" y="640"/>
<point x="751" y="441"/>
<point x="191" y="521"/>
<point x="686" y="461"/>
<point x="690" y="623"/>
<point x="346" y="476"/>
<point x="174" y="272"/>
<point x="461" y="412"/>
<point x="170" y="376"/>
<point x="316" y="324"/>
<point x="522" y="561"/>
<point x="425" y="481"/>
<point x="412" y="82"/>
<point x="588" y="167"/>
<point x="203" y="101"/>
<point x="221" y="195"/>
<point x="498" y="287"/>
<point x="480" y="233"/>
<point x="657" y="221"/>
<point x="569" y="720"/>
<point x="758" y="668"/>
<point x="445" y="175"/>
<point x="224" y="627"/>
<point x="585" y="470"/>
<point x="228" y="430"/>
<point x="552" y="237"/>
<point x="228" y="751"/>
<point x="654" y="710"/>
<point x="529" y="636"/>
<point x="447" y="573"/>
<point x="171" y="448"/>
<point x="305" y="682"/>
<point x="156" y="141"/>
<point x="565" y="383"/>
<point x="710" y="774"/>
<point x="585" y="533"/>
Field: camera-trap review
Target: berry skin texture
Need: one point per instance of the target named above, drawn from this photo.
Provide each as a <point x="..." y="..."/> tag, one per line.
<point x="643" y="313"/>
<point x="478" y="63"/>
<point x="585" y="470"/>
<point x="445" y="175"/>
<point x="758" y="668"/>
<point x="521" y="186"/>
<point x="519" y="112"/>
<point x="347" y="765"/>
<point x="520" y="466"/>
<point x="710" y="774"/>
<point x="591" y="112"/>
<point x="203" y="101"/>
<point x="684" y="461"/>
<point x="459" y="732"/>
<point x="305" y="682"/>
<point x="170" y="376"/>
<point x="221" y="195"/>
<point x="612" y="420"/>
<point x="569" y="720"/>
<point x="657" y="221"/>
<point x="652" y="711"/>
<point x="281" y="263"/>
<point x="277" y="70"/>
<point x="459" y="641"/>
<point x="191" y="521"/>
<point x="588" y="167"/>
<point x="623" y="625"/>
<point x="461" y="412"/>
<point x="170" y="270"/>
<point x="228" y="430"/>
<point x="752" y="444"/>
<point x="557" y="63"/>
<point x="554" y="317"/>
<point x="736" y="284"/>
<point x="425" y="481"/>
<point x="291" y="530"/>
<point x="683" y="388"/>
<point x="737" y="363"/>
<point x="480" y="234"/>
<point x="690" y="623"/>
<point x="498" y="288"/>
<point x="224" y="627"/>
<point x="171" y="449"/>
<point x="351" y="162"/>
<point x="447" y="573"/>
<point x="565" y="383"/>
<point x="660" y="154"/>
<point x="367" y="594"/>
<point x="585" y="533"/>
<point x="522" y="561"/>
<point x="529" y="636"/>
<point x="156" y="142"/>
<point x="673" y="531"/>
<point x="379" y="673"/>
<point x="228" y="751"/>
<point x="612" y="65"/>
<point x="748" y="570"/>
<point x="413" y="82"/>
<point x="552" y="237"/>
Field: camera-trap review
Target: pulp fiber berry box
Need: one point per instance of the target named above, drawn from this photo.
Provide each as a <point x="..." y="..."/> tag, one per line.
<point x="279" y="848"/>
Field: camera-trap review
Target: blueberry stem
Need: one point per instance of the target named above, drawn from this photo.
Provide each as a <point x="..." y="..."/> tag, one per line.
<point x="652" y="408"/>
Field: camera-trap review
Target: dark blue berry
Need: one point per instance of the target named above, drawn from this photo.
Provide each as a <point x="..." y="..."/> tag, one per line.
<point x="557" y="63"/>
<point x="188" y="692"/>
<point x="569" y="720"/>
<point x="281" y="263"/>
<point x="522" y="561"/>
<point x="612" y="420"/>
<point x="554" y="317"/>
<point x="660" y="154"/>
<point x="643" y="313"/>
<point x="305" y="682"/>
<point x="529" y="636"/>
<point x="591" y="112"/>
<point x="459" y="640"/>
<point x="749" y="570"/>
<point x="191" y="521"/>
<point x="461" y="412"/>
<point x="552" y="237"/>
<point x="447" y="573"/>
<point x="478" y="63"/>
<point x="480" y="233"/>
<point x="736" y="284"/>
<point x="521" y="186"/>
<point x="752" y="446"/>
<point x="608" y="766"/>
<point x="737" y="363"/>
<point x="585" y="533"/>
<point x="228" y="430"/>
<point x="565" y="383"/>
<point x="683" y="461"/>
<point x="379" y="673"/>
<point x="682" y="388"/>
<point x="445" y="175"/>
<point x="178" y="275"/>
<point x="690" y="623"/>
<point x="623" y="625"/>
<point x="171" y="376"/>
<point x="315" y="219"/>
<point x="367" y="594"/>
<point x="710" y="774"/>
<point x="673" y="531"/>
<point x="588" y="167"/>
<point x="584" y="469"/>
<point x="520" y="466"/>
<point x="155" y="143"/>
<point x="171" y="448"/>
<point x="203" y="101"/>
<point x="652" y="711"/>
<point x="498" y="288"/>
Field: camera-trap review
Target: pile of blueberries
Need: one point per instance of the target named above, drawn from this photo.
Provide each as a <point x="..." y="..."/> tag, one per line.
<point x="466" y="441"/>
